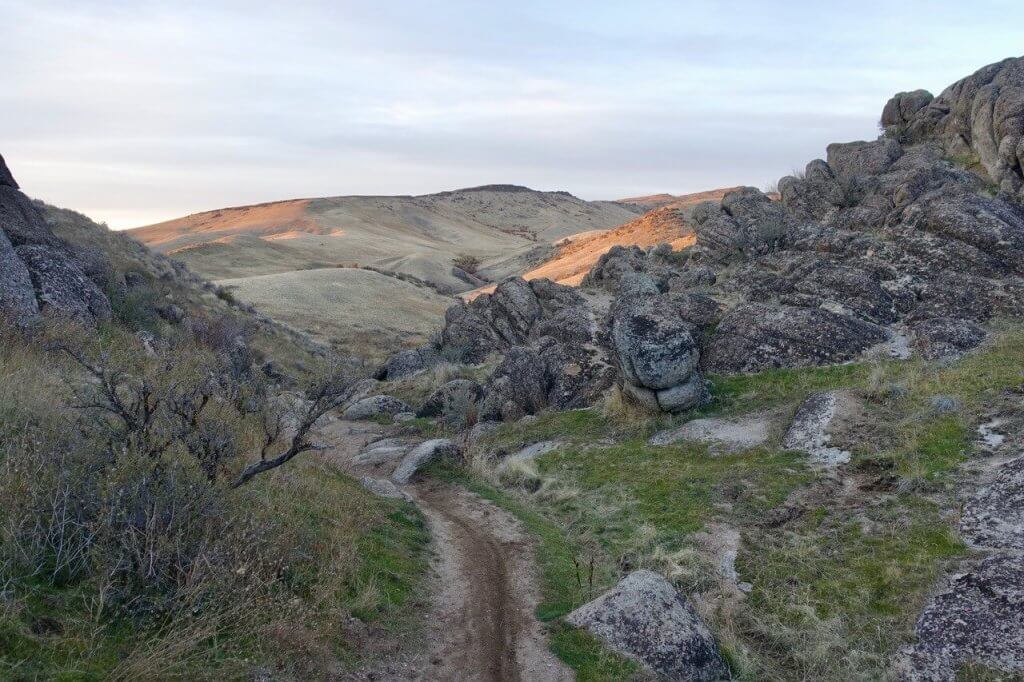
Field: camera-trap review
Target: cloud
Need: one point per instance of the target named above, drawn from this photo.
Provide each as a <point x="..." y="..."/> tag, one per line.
<point x="138" y="111"/>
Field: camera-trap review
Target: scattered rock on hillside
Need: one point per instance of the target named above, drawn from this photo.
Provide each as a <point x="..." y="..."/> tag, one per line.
<point x="421" y="455"/>
<point x="644" y="618"/>
<point x="375" y="406"/>
<point x="407" y="363"/>
<point x="723" y="434"/>
<point x="810" y="431"/>
<point x="381" y="487"/>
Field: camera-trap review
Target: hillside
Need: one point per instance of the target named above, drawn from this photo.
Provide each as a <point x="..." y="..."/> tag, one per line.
<point x="413" y="235"/>
<point x="653" y="201"/>
<point x="143" y="535"/>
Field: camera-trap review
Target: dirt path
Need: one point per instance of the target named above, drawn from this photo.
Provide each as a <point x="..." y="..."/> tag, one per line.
<point x="482" y="625"/>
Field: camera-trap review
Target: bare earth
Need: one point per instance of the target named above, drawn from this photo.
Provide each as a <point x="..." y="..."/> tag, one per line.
<point x="481" y="626"/>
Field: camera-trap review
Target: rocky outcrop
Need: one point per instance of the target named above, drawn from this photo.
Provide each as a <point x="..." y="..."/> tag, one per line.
<point x="644" y="618"/>
<point x="40" y="273"/>
<point x="979" y="117"/>
<point x="756" y="337"/>
<point x="17" y="296"/>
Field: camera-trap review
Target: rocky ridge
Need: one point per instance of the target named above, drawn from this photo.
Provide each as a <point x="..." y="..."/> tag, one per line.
<point x="892" y="241"/>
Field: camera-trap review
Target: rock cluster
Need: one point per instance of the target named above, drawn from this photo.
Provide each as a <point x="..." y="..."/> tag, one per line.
<point x="915" y="239"/>
<point x="38" y="272"/>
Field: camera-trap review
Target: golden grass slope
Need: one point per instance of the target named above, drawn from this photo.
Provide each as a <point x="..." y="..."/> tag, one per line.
<point x="417" y="235"/>
<point x="355" y="309"/>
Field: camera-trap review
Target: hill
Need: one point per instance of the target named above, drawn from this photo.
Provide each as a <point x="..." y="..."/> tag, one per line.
<point x="412" y="235"/>
<point x="653" y="201"/>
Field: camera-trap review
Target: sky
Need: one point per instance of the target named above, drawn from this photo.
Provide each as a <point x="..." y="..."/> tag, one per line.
<point x="137" y="112"/>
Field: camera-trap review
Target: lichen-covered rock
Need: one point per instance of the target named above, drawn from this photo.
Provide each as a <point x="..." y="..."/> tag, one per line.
<point x="810" y="430"/>
<point x="61" y="287"/>
<point x="644" y="618"/>
<point x="980" y="116"/>
<point x="943" y="337"/>
<point x="422" y="455"/>
<point x="978" y="619"/>
<point x="17" y="297"/>
<point x="654" y="347"/>
<point x="375" y="406"/>
<point x="407" y="363"/>
<point x="518" y="386"/>
<point x="993" y="516"/>
<point x="755" y="337"/>
<point x="452" y="400"/>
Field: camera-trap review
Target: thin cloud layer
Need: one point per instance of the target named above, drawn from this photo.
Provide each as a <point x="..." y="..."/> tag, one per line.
<point x="139" y="112"/>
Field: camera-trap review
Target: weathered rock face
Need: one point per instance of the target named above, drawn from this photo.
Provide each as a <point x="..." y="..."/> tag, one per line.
<point x="39" y="272"/>
<point x="979" y="619"/>
<point x="17" y="297"/>
<point x="422" y="455"/>
<point x="644" y="618"/>
<point x="981" y="116"/>
<point x="656" y="353"/>
<point x="943" y="337"/>
<point x="407" y="363"/>
<point x="755" y="337"/>
<point x="375" y="406"/>
<point x="519" y="386"/>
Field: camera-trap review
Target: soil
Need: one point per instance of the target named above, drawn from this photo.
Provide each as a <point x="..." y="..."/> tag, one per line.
<point x="481" y="626"/>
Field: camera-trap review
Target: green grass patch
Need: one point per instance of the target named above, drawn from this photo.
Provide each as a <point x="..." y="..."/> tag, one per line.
<point x="834" y="596"/>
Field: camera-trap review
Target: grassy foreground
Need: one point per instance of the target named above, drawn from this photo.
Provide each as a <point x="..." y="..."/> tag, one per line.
<point x="362" y="557"/>
<point x="839" y="565"/>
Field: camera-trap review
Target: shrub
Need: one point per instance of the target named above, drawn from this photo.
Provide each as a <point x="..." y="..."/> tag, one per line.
<point x="467" y="262"/>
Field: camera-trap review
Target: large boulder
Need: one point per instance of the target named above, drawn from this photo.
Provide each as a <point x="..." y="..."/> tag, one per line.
<point x="518" y="386"/>
<point x="422" y="455"/>
<point x="903" y="106"/>
<point x="655" y="351"/>
<point x="644" y="618"/>
<point x="407" y="363"/>
<point x="756" y="336"/>
<point x="375" y="406"/>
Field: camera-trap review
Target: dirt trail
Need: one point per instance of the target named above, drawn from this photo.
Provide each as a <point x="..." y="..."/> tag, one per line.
<point x="482" y="626"/>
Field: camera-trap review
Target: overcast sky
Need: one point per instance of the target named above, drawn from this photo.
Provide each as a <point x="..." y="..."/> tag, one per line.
<point x="134" y="112"/>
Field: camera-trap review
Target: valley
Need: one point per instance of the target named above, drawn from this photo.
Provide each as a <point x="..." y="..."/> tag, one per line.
<point x="499" y="434"/>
